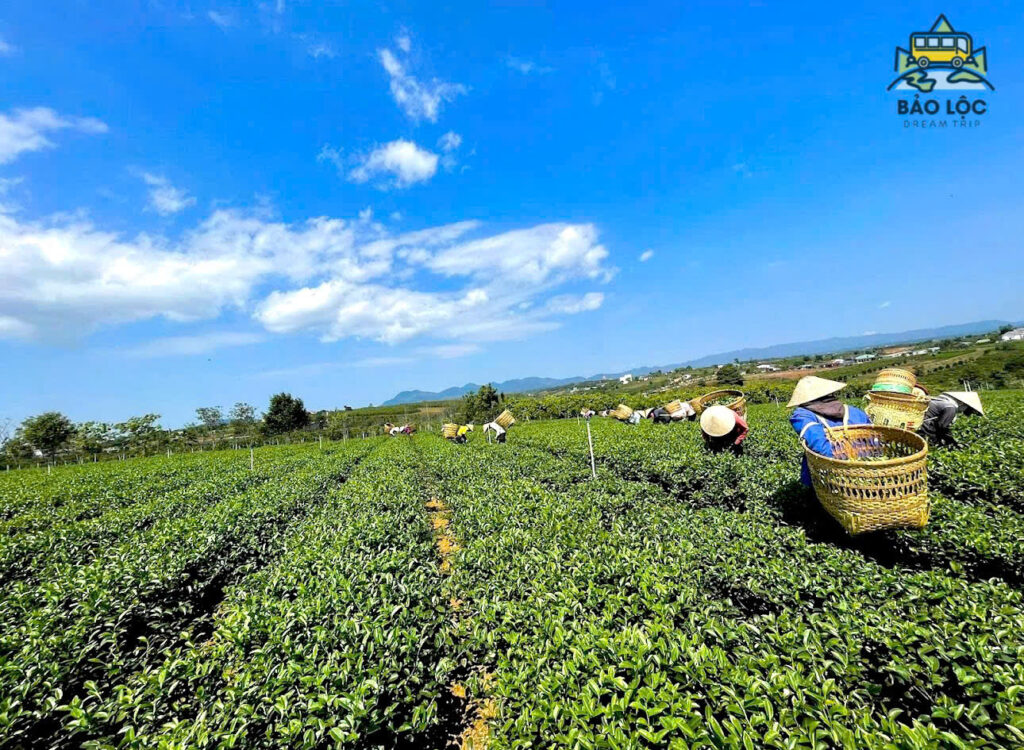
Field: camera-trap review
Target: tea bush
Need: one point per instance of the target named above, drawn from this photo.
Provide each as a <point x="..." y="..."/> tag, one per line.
<point x="681" y="599"/>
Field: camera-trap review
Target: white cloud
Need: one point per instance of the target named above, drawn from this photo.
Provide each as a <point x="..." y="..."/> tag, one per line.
<point x="333" y="155"/>
<point x="501" y="272"/>
<point x="224" y="20"/>
<point x="404" y="41"/>
<point x="64" y="278"/>
<point x="382" y="361"/>
<point x="571" y="304"/>
<point x="164" y="198"/>
<point x="450" y="141"/>
<point x="540" y="255"/>
<point x="6" y="48"/>
<point x="526" y="67"/>
<point x="449" y="351"/>
<point x="177" y="346"/>
<point x="397" y="164"/>
<point x="646" y="255"/>
<point x="884" y="305"/>
<point x="6" y="183"/>
<point x="419" y="100"/>
<point x="318" y="49"/>
<point x="25" y="130"/>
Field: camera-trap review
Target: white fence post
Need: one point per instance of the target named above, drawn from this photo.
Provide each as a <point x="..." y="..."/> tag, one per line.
<point x="590" y="444"/>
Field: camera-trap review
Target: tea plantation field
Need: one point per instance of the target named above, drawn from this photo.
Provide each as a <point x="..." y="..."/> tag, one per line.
<point x="415" y="593"/>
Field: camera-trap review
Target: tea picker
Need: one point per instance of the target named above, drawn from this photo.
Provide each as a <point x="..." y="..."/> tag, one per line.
<point x="680" y="410"/>
<point x="500" y="426"/>
<point x="942" y="413"/>
<point x="500" y="432"/>
<point x="723" y="429"/>
<point x="454" y="432"/>
<point x="818" y="409"/>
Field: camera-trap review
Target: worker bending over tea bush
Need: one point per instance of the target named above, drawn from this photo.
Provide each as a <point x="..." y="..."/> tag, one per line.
<point x="818" y="407"/>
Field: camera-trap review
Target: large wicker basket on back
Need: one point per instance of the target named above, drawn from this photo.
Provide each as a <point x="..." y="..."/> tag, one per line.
<point x="621" y="412"/>
<point x="738" y="402"/>
<point x="877" y="479"/>
<point x="449" y="430"/>
<point x="505" y="419"/>
<point x="895" y="379"/>
<point x="903" y="410"/>
<point x="673" y="406"/>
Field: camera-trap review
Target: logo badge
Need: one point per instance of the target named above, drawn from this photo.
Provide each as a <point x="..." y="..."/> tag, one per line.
<point x="941" y="59"/>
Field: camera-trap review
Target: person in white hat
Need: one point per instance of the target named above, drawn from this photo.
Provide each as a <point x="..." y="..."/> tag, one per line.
<point x="723" y="428"/>
<point x="942" y="413"/>
<point x="817" y="407"/>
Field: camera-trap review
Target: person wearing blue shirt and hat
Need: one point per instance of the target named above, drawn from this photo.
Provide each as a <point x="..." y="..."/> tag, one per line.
<point x="817" y="406"/>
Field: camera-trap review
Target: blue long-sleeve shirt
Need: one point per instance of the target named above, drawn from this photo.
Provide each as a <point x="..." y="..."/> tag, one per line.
<point x="810" y="429"/>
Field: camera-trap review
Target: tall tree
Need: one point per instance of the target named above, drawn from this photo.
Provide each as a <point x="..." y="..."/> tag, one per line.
<point x="242" y="414"/>
<point x="211" y="416"/>
<point x="139" y="433"/>
<point x="286" y="413"/>
<point x="729" y="375"/>
<point x="48" y="432"/>
<point x="91" y="437"/>
<point x="480" y="406"/>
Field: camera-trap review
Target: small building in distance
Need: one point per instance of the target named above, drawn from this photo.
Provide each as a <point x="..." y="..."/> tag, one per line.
<point x="983" y="341"/>
<point x="864" y="357"/>
<point x="767" y="368"/>
<point x="627" y="378"/>
<point x="1017" y="334"/>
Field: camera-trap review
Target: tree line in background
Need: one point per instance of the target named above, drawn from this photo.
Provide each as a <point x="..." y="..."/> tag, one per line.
<point x="52" y="435"/>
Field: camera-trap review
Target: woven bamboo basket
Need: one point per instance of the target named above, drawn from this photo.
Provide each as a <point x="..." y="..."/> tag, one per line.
<point x="903" y="410"/>
<point x="738" y="404"/>
<point x="505" y="419"/>
<point x="621" y="412"/>
<point x="897" y="376"/>
<point x="449" y="430"/>
<point x="673" y="406"/>
<point x="877" y="479"/>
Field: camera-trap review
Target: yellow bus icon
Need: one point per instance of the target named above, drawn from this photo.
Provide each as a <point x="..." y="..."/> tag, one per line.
<point x="940" y="48"/>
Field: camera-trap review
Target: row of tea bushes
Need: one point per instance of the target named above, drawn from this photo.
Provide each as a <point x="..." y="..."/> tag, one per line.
<point x="71" y="632"/>
<point x="344" y="640"/>
<point x="609" y="612"/>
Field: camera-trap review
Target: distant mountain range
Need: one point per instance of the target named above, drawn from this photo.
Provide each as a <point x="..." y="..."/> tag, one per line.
<point x="776" y="351"/>
<point x="521" y="385"/>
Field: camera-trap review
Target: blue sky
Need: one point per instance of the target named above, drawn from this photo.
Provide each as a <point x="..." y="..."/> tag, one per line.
<point x="212" y="202"/>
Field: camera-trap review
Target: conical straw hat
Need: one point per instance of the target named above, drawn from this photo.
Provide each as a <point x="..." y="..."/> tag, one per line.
<point x="968" y="397"/>
<point x="810" y="388"/>
<point x="718" y="420"/>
